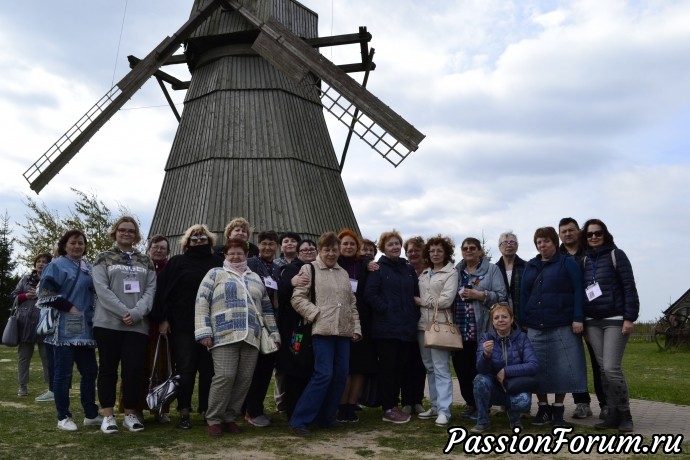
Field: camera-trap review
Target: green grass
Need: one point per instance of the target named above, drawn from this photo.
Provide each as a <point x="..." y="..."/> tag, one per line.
<point x="27" y="429"/>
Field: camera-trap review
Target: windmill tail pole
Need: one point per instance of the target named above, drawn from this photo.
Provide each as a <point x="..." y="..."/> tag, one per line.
<point x="354" y="118"/>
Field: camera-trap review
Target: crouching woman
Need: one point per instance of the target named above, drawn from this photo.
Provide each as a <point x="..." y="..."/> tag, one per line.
<point x="504" y="353"/>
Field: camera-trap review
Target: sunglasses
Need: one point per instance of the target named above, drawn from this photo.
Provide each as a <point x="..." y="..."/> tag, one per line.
<point x="597" y="234"/>
<point x="508" y="243"/>
<point x="469" y="248"/>
<point x="195" y="238"/>
<point x="502" y="305"/>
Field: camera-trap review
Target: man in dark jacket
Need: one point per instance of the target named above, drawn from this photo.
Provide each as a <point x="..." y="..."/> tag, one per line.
<point x="569" y="234"/>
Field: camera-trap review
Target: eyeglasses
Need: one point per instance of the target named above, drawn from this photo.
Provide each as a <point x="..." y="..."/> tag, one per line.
<point x="307" y="251"/>
<point x="469" y="248"/>
<point x="196" y="238"/>
<point x="159" y="248"/>
<point x="130" y="231"/>
<point x="508" y="243"/>
<point x="596" y="234"/>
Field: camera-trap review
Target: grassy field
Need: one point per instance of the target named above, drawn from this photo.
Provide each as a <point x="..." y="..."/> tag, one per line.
<point x="27" y="428"/>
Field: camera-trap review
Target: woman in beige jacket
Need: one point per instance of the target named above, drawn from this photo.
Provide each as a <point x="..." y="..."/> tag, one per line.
<point x="335" y="322"/>
<point x="437" y="286"/>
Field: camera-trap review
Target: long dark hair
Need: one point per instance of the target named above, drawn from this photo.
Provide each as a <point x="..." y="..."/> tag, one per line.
<point x="608" y="238"/>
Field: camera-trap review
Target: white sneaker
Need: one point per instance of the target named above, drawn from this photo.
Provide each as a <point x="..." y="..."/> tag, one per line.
<point x="96" y="421"/>
<point x="427" y="414"/>
<point x="67" y="424"/>
<point x="109" y="425"/>
<point x="45" y="397"/>
<point x="132" y="423"/>
<point x="442" y="420"/>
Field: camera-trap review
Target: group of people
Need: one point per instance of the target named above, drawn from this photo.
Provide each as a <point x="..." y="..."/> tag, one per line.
<point x="340" y="319"/>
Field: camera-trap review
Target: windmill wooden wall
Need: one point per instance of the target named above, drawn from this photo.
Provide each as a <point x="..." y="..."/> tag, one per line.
<point x="250" y="143"/>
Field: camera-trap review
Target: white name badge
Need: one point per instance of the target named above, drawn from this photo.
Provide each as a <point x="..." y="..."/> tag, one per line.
<point x="131" y="286"/>
<point x="593" y="291"/>
<point x="270" y="283"/>
<point x="353" y="285"/>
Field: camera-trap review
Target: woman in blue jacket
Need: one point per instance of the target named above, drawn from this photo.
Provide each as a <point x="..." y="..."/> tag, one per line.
<point x="391" y="292"/>
<point x="551" y="301"/>
<point x="67" y="286"/>
<point x="503" y="352"/>
<point x="611" y="308"/>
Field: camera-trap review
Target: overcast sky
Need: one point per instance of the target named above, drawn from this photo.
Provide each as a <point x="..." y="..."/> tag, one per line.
<point x="533" y="110"/>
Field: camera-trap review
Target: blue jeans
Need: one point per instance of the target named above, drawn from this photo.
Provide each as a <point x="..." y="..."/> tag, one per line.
<point x="437" y="364"/>
<point x="321" y="397"/>
<point x="487" y="393"/>
<point x="64" y="359"/>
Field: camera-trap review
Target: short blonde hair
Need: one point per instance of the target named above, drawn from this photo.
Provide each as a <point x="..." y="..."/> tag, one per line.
<point x="122" y="220"/>
<point x="237" y="222"/>
<point x="387" y="235"/>
<point x="194" y="230"/>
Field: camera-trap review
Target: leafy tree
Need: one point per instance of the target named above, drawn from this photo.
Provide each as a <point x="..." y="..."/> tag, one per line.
<point x="44" y="227"/>
<point x="8" y="280"/>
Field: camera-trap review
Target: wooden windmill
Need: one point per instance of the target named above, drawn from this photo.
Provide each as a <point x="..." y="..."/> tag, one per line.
<point x="252" y="140"/>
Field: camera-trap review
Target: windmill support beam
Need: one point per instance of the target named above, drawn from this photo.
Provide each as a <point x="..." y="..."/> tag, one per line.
<point x="336" y="40"/>
<point x="176" y="83"/>
<point x="168" y="98"/>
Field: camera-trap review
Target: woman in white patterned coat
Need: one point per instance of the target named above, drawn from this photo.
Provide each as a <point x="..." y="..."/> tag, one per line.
<point x="228" y="305"/>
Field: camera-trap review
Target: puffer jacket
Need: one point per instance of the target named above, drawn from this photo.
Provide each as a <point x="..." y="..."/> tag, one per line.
<point x="390" y="291"/>
<point x="437" y="290"/>
<point x="619" y="293"/>
<point x="555" y="298"/>
<point x="513" y="353"/>
<point x="335" y="311"/>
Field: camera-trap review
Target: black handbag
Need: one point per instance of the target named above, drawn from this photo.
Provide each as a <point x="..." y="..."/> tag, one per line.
<point x="301" y="348"/>
<point x="162" y="394"/>
<point x="520" y="384"/>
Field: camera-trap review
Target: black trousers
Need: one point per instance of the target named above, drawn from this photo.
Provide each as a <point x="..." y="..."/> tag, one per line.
<point x="392" y="355"/>
<point x="465" y="365"/>
<point x="190" y="358"/>
<point x="294" y="387"/>
<point x="123" y="349"/>
<point x="254" y="402"/>
<point x="413" y="379"/>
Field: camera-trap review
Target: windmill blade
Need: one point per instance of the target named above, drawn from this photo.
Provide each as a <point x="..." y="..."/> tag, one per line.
<point x="64" y="149"/>
<point x="377" y="124"/>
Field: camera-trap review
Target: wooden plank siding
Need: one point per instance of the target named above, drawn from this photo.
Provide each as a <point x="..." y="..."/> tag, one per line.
<point x="251" y="143"/>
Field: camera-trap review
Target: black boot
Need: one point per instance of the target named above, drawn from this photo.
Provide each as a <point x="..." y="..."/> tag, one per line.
<point x="557" y="415"/>
<point x="626" y="422"/>
<point x="613" y="419"/>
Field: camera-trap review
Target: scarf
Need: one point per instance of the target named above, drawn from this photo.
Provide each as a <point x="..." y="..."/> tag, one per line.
<point x="239" y="267"/>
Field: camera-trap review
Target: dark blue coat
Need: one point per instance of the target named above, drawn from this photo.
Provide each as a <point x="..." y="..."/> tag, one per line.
<point x="515" y="350"/>
<point x="555" y="298"/>
<point x="619" y="293"/>
<point x="390" y="293"/>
